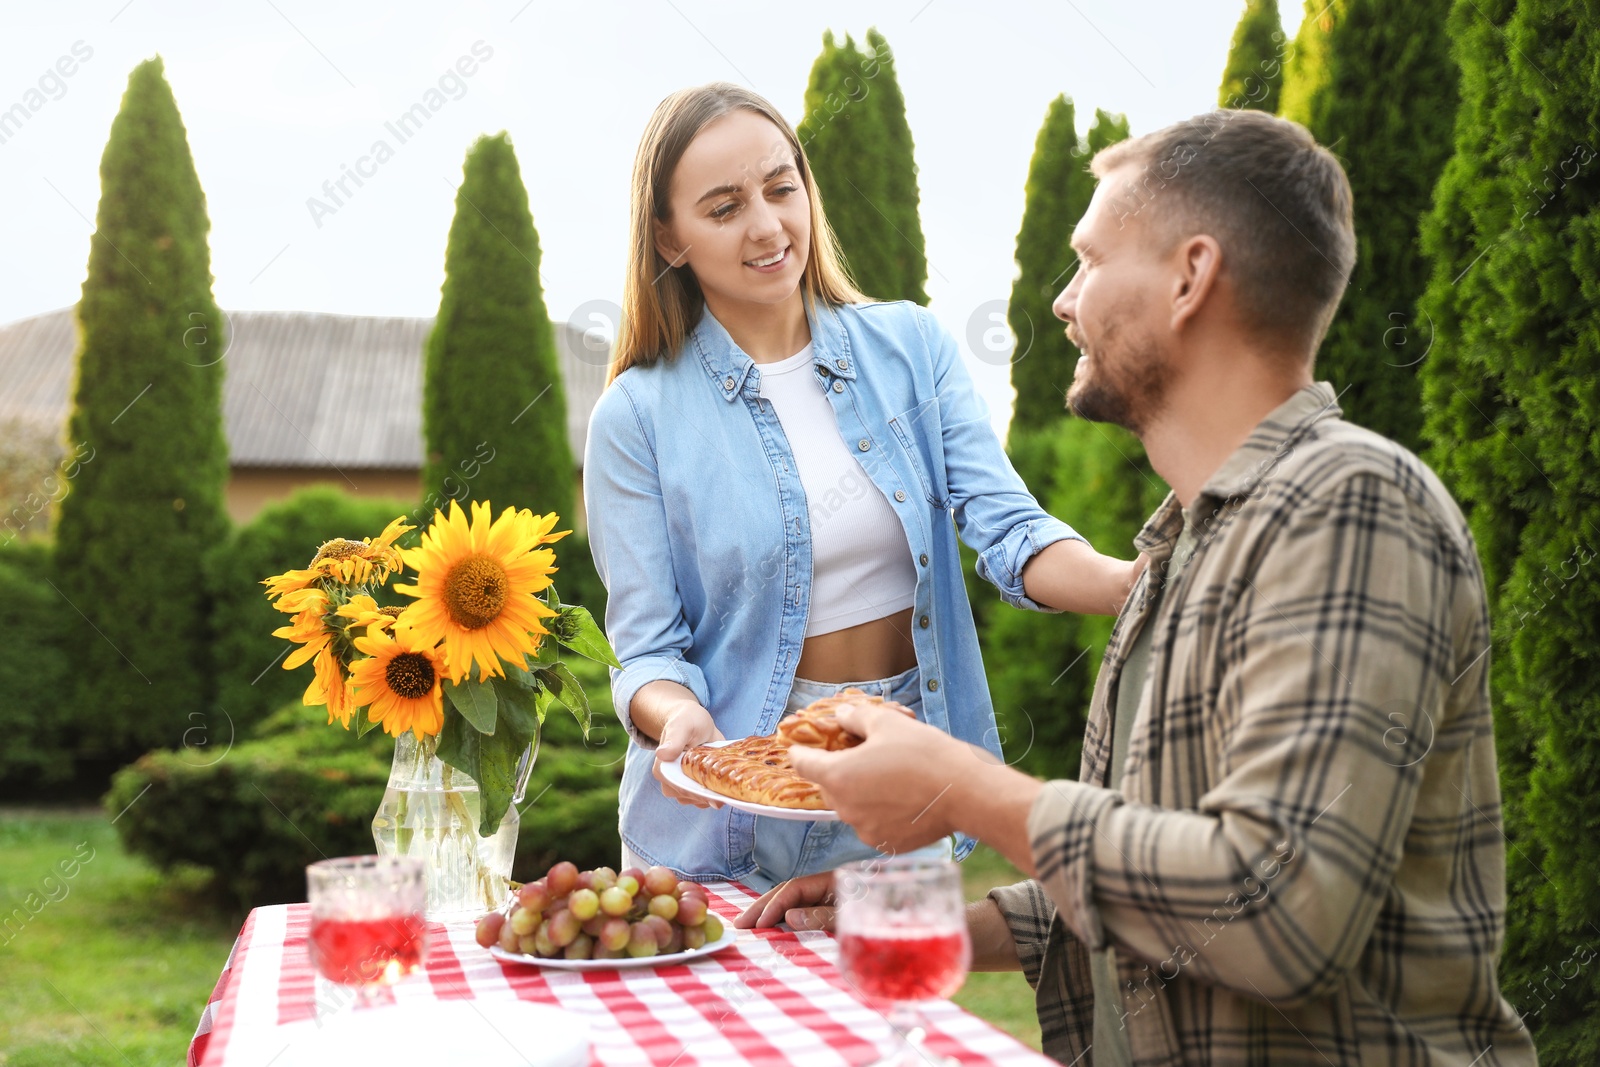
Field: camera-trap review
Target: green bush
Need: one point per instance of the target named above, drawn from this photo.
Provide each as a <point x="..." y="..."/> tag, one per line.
<point x="250" y="678"/>
<point x="33" y="671"/>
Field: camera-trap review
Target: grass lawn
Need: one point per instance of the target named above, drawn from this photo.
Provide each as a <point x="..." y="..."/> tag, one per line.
<point x="112" y="965"/>
<point x="1004" y="999"/>
<point x="116" y="965"/>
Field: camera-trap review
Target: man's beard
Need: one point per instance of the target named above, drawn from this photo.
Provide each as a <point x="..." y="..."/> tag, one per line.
<point x="1125" y="384"/>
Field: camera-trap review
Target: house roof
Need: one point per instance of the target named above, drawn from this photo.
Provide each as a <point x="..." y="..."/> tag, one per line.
<point x="301" y="389"/>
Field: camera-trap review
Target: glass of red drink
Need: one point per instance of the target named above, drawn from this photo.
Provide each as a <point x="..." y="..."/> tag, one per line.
<point x="367" y="928"/>
<point x="902" y="931"/>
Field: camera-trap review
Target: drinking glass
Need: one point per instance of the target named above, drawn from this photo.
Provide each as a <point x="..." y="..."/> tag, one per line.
<point x="367" y="926"/>
<point x="902" y="931"/>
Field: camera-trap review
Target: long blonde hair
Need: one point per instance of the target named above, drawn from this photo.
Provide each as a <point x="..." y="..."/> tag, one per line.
<point x="660" y="302"/>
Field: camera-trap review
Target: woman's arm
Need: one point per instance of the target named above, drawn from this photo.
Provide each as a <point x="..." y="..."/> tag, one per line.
<point x="1072" y="576"/>
<point x="673" y="715"/>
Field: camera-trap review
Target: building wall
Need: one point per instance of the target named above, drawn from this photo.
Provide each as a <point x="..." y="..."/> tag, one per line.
<point x="252" y="488"/>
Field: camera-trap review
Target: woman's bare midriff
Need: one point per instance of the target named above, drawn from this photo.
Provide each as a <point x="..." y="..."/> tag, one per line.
<point x="880" y="648"/>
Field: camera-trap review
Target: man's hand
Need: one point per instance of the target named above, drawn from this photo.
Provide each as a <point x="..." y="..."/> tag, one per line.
<point x="894" y="787"/>
<point x="804" y="903"/>
<point x="687" y="725"/>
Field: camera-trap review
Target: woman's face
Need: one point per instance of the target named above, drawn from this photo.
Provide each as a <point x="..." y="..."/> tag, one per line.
<point x="741" y="219"/>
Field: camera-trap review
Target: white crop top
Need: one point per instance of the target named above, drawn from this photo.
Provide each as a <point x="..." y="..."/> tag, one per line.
<point x="861" y="565"/>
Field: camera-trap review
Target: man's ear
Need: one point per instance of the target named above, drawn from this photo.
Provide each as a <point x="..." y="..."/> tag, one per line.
<point x="666" y="246"/>
<point x="1199" y="262"/>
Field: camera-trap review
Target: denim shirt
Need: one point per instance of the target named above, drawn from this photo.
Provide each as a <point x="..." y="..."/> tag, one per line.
<point x="701" y="533"/>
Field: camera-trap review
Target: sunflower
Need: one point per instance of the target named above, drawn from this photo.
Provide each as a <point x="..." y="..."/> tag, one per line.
<point x="331" y="686"/>
<point x="309" y="628"/>
<point x="475" y="586"/>
<point x="345" y="561"/>
<point x="399" y="682"/>
<point x="365" y="611"/>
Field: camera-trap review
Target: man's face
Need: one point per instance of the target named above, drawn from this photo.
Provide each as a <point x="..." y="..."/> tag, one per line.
<point x="1115" y="308"/>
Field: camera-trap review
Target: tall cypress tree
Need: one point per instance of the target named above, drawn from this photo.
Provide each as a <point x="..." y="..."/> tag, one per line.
<point x="1513" y="421"/>
<point x="855" y="134"/>
<point x="494" y="411"/>
<point x="1305" y="70"/>
<point x="1378" y="59"/>
<point x="1058" y="192"/>
<point x="147" y="500"/>
<point x="1254" y="74"/>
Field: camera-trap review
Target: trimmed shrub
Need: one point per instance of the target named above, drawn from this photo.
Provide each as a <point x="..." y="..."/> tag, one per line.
<point x="855" y="135"/>
<point x="250" y="678"/>
<point x="33" y="673"/>
<point x="494" y="409"/>
<point x="147" y="499"/>
<point x="1254" y="74"/>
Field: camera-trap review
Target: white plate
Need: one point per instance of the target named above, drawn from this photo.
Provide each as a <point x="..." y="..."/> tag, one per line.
<point x="673" y="773"/>
<point x="485" y="1033"/>
<point x="729" y="936"/>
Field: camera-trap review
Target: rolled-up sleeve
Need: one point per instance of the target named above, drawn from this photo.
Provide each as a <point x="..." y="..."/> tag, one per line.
<point x="994" y="511"/>
<point x="1027" y="910"/>
<point x="628" y="537"/>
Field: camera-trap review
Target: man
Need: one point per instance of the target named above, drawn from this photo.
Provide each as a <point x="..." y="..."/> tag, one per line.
<point x="1284" y="843"/>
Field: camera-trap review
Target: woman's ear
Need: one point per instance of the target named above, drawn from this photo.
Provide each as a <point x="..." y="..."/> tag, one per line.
<point x="1199" y="262"/>
<point x="666" y="244"/>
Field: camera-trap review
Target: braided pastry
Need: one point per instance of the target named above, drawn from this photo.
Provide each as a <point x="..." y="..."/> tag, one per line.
<point x="757" y="769"/>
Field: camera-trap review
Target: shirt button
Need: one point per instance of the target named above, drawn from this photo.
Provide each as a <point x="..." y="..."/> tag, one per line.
<point x="842" y="364"/>
<point x="863" y="444"/>
<point x="838" y="386"/>
<point x="900" y="495"/>
<point x="923" y="622"/>
<point x="933" y="685"/>
<point x="727" y="383"/>
<point x="923" y="559"/>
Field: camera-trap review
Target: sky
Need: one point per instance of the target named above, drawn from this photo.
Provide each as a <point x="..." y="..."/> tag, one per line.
<point x="281" y="96"/>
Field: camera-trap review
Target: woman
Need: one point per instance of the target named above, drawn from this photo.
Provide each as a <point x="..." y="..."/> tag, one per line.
<point x="770" y="479"/>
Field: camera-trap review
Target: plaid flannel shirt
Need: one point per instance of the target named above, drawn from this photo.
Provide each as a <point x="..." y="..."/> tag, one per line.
<point x="1305" y="863"/>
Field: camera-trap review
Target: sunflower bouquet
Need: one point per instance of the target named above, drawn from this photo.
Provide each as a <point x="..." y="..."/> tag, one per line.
<point x="465" y="667"/>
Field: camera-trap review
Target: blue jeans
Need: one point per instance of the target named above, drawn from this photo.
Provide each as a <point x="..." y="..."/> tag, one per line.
<point x="787" y="848"/>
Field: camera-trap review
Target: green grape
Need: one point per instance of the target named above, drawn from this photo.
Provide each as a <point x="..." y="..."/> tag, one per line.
<point x="584" y="903"/>
<point x="628" y="883"/>
<point x="615" y="902"/>
<point x="693" y="936"/>
<point x="665" y="906"/>
<point x="525" y="922"/>
<point x="614" y="934"/>
<point x="582" y="948"/>
<point x="713" y="928"/>
<point x="641" y="941"/>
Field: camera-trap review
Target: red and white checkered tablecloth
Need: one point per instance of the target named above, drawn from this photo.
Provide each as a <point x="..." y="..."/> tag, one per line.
<point x="774" y="997"/>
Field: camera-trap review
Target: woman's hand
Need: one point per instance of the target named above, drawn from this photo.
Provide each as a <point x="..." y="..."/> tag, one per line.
<point x="686" y="725"/>
<point x="805" y="903"/>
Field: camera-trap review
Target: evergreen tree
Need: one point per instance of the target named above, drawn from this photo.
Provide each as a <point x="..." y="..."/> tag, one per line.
<point x="1059" y="189"/>
<point x="1513" y="422"/>
<point x="1378" y="59"/>
<point x="147" y="497"/>
<point x="1305" y="69"/>
<point x="1042" y="667"/>
<point x="855" y="135"/>
<point x="1254" y="74"/>
<point x="494" y="411"/>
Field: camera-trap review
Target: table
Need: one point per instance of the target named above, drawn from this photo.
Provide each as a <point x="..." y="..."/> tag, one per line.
<point x="774" y="997"/>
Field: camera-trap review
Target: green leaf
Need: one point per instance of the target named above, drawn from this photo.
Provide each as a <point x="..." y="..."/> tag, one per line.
<point x="570" y="691"/>
<point x="498" y="756"/>
<point x="459" y="744"/>
<point x="576" y="628"/>
<point x="519" y="710"/>
<point x="364" y="723"/>
<point x="475" y="700"/>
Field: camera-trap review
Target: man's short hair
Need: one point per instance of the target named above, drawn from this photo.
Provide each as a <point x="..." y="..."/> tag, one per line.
<point x="1277" y="202"/>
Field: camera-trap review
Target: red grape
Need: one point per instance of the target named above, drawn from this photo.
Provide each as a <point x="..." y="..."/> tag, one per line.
<point x="581" y="948"/>
<point x="661" y="927"/>
<point x="563" y="927"/>
<point x="693" y="936"/>
<point x="692" y="909"/>
<point x="642" y="940"/>
<point x="534" y="895"/>
<point x="562" y="879"/>
<point x="659" y="880"/>
<point x="675" y="942"/>
<point x="508" y="938"/>
<point x="614" y="934"/>
<point x="489" y="928"/>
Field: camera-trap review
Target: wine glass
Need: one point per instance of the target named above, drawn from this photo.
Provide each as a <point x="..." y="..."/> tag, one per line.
<point x="367" y="927"/>
<point x="902" y="931"/>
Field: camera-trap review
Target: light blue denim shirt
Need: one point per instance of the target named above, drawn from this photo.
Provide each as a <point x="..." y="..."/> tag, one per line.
<point x="700" y="531"/>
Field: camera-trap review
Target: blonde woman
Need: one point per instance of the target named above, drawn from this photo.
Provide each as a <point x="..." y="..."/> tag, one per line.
<point x="770" y="480"/>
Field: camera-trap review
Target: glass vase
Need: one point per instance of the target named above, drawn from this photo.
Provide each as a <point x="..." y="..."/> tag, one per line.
<point x="430" y="810"/>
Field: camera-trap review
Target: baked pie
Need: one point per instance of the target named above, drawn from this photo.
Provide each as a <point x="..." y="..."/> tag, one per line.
<point x="757" y="769"/>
